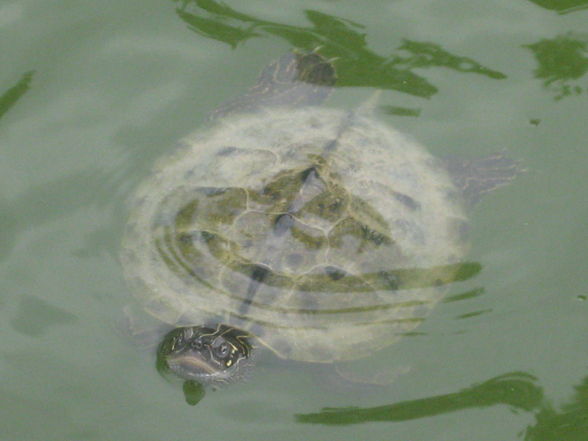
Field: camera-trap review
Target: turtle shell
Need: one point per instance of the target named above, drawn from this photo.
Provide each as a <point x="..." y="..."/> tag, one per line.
<point x="325" y="234"/>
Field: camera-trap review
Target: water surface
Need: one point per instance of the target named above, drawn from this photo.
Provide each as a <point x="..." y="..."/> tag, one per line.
<point x="91" y="93"/>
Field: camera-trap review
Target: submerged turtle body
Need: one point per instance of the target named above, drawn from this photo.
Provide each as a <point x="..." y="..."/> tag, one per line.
<point x="258" y="194"/>
<point x="323" y="234"/>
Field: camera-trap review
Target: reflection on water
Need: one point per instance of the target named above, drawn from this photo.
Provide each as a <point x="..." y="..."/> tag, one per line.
<point x="518" y="390"/>
<point x="570" y="423"/>
<point x="562" y="61"/>
<point x="414" y="54"/>
<point x="400" y="111"/>
<point x="338" y="38"/>
<point x="12" y="95"/>
<point x="562" y="6"/>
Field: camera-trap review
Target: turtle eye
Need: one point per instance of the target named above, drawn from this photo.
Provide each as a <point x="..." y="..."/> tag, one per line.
<point x="222" y="350"/>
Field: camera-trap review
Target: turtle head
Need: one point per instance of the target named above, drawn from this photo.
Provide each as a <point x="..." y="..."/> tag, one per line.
<point x="210" y="356"/>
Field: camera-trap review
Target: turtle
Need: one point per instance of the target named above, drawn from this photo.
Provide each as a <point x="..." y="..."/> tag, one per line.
<point x="319" y="234"/>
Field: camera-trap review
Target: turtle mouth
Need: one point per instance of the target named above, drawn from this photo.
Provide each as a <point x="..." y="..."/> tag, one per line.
<point x="192" y="366"/>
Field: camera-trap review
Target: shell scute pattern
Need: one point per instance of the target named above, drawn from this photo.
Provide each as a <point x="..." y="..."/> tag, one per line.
<point x="374" y="206"/>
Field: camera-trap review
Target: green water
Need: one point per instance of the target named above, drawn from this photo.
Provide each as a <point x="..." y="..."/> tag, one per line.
<point x="91" y="93"/>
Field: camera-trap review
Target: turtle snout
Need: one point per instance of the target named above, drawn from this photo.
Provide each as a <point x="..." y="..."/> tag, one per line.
<point x="207" y="355"/>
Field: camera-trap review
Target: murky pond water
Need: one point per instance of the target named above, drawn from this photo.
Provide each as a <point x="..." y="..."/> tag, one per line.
<point x="92" y="93"/>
